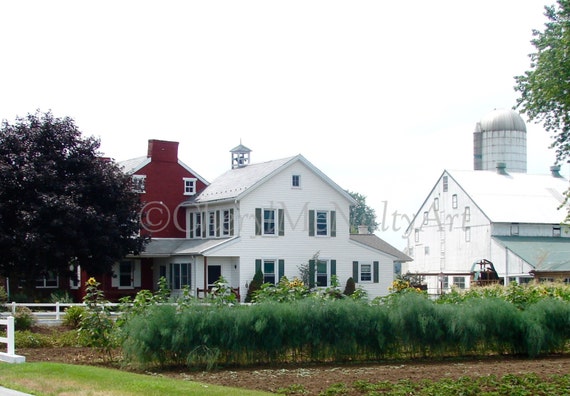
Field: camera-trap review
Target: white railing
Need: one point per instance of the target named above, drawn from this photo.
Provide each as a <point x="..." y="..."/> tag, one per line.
<point x="10" y="355"/>
<point x="48" y="311"/>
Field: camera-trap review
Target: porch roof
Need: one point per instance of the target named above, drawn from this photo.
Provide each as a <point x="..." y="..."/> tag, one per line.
<point x="165" y="247"/>
<point x="543" y="253"/>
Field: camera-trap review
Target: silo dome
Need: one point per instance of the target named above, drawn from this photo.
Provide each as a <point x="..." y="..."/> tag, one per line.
<point x="500" y="138"/>
<point x="502" y="120"/>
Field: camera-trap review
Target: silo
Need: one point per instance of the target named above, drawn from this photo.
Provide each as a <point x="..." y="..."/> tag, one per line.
<point x="500" y="137"/>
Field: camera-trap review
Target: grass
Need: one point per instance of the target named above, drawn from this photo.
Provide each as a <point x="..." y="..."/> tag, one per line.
<point x="65" y="379"/>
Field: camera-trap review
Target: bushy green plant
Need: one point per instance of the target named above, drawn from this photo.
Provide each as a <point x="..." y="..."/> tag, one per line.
<point x="61" y="296"/>
<point x="284" y="291"/>
<point x="28" y="339"/>
<point x="254" y="286"/>
<point x="350" y="287"/>
<point x="3" y="295"/>
<point x="23" y="318"/>
<point x="74" y="316"/>
<point x="222" y="293"/>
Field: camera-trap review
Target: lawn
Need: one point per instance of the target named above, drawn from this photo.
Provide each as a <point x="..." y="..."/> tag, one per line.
<point x="64" y="379"/>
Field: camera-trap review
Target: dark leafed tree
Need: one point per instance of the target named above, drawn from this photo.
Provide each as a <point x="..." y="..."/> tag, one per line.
<point x="61" y="203"/>
<point x="545" y="88"/>
<point x="362" y="214"/>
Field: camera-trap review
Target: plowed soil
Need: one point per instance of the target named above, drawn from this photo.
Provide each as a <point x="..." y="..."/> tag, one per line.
<point x="313" y="379"/>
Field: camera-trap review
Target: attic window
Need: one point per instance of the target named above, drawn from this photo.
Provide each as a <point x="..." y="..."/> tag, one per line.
<point x="296" y="181"/>
<point x="189" y="186"/>
<point x="445" y="184"/>
<point x="138" y="182"/>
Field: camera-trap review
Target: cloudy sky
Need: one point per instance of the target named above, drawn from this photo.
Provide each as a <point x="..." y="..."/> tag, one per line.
<point x="382" y="96"/>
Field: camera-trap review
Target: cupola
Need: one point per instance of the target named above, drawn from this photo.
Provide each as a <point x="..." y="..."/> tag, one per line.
<point x="240" y="156"/>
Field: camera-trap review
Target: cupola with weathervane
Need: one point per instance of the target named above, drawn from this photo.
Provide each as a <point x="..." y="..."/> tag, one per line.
<point x="240" y="156"/>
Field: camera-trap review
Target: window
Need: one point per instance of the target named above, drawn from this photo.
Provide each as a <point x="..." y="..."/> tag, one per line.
<point x="416" y="235"/>
<point x="269" y="221"/>
<point x="467" y="214"/>
<point x="445" y="283"/>
<point x="454" y="201"/>
<point x="467" y="234"/>
<point x="436" y="204"/>
<point x="296" y="181"/>
<point x="426" y="217"/>
<point x="366" y="272"/>
<point x="189" y="186"/>
<point x="269" y="271"/>
<point x="196" y="225"/>
<point x="445" y="184"/>
<point x="514" y="229"/>
<point x="321" y="223"/>
<point x="179" y="275"/>
<point x="126" y="274"/>
<point x="556" y="232"/>
<point x="322" y="273"/>
<point x="459" y="282"/>
<point x="227" y="222"/>
<point x="50" y="280"/>
<point x="138" y="182"/>
<point x="426" y="250"/>
<point x="212" y="224"/>
<point x="75" y="279"/>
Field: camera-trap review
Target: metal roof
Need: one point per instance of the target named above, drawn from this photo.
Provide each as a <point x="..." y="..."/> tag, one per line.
<point x="543" y="253"/>
<point x="130" y="166"/>
<point x="237" y="182"/>
<point x="501" y="120"/>
<point x="166" y="247"/>
<point x="516" y="197"/>
<point x="373" y="241"/>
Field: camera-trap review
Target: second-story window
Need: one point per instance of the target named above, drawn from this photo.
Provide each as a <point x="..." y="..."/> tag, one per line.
<point x="269" y="221"/>
<point x="211" y="224"/>
<point x="322" y="223"/>
<point x="296" y="181"/>
<point x="139" y="183"/>
<point x="227" y="222"/>
<point x="189" y="186"/>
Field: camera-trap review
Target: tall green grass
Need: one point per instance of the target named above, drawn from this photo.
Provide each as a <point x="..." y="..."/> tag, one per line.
<point x="312" y="330"/>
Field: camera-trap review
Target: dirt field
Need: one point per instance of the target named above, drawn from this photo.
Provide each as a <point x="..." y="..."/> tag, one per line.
<point x="315" y="379"/>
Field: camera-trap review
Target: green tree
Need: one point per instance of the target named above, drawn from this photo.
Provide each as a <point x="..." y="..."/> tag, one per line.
<point x="362" y="214"/>
<point x="61" y="203"/>
<point x="545" y="88"/>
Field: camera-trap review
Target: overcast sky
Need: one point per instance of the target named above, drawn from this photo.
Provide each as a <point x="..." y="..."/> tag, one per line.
<point x="380" y="96"/>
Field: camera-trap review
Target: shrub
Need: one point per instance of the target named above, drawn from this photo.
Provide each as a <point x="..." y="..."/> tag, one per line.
<point x="254" y="286"/>
<point x="73" y="316"/>
<point x="3" y="295"/>
<point x="23" y="318"/>
<point x="350" y="287"/>
<point x="61" y="296"/>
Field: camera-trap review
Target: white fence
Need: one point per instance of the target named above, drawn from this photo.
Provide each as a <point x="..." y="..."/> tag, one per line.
<point x="47" y="312"/>
<point x="10" y="355"/>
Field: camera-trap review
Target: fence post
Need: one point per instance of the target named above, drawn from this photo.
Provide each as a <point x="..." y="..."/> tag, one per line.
<point x="57" y="310"/>
<point x="10" y="340"/>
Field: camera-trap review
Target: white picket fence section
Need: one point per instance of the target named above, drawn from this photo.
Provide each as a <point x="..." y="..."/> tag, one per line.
<point x="48" y="312"/>
<point x="10" y="355"/>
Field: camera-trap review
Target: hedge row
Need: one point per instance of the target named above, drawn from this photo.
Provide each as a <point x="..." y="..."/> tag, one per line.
<point x="311" y="330"/>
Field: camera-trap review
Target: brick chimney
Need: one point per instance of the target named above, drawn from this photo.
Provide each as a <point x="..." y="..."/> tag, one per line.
<point x="162" y="150"/>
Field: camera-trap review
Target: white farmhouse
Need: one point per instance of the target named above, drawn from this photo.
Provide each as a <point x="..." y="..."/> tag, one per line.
<point x="274" y="216"/>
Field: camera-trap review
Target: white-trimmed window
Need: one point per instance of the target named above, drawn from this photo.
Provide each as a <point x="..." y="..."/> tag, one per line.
<point x="75" y="279"/>
<point x="365" y="273"/>
<point x="49" y="281"/>
<point x="212" y="224"/>
<point x="467" y="214"/>
<point x="445" y="184"/>
<point x="139" y="183"/>
<point x="269" y="221"/>
<point x="322" y="273"/>
<point x="226" y="222"/>
<point x="196" y="224"/>
<point x="189" y="185"/>
<point x="426" y="217"/>
<point x="126" y="272"/>
<point x="454" y="201"/>
<point x="321" y="223"/>
<point x="180" y="275"/>
<point x="459" y="282"/>
<point x="296" y="181"/>
<point x="436" y="204"/>
<point x="416" y="235"/>
<point x="467" y="234"/>
<point x="269" y="272"/>
<point x="556" y="231"/>
<point x="514" y="229"/>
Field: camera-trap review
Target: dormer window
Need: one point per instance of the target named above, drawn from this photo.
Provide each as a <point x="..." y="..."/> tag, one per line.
<point x="189" y="186"/>
<point x="296" y="181"/>
<point x="138" y="182"/>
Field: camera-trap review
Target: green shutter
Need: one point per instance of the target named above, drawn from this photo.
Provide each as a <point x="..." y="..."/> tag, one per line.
<point x="355" y="271"/>
<point x="311" y="274"/>
<point x="376" y="275"/>
<point x="311" y="223"/>
<point x="257" y="221"/>
<point x="257" y="265"/>
<point x="333" y="267"/>
<point x="281" y="220"/>
<point x="333" y="223"/>
<point x="231" y="222"/>
<point x="281" y="272"/>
